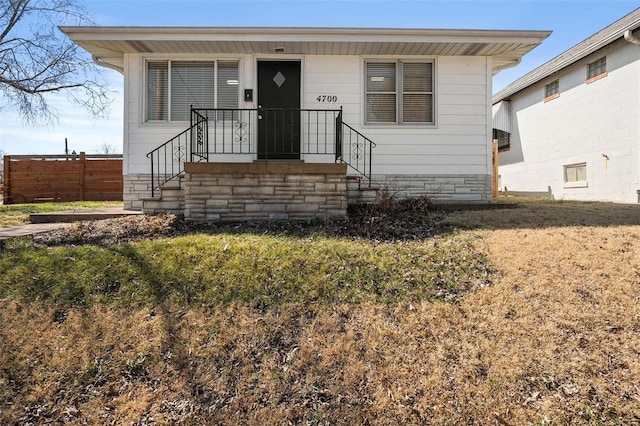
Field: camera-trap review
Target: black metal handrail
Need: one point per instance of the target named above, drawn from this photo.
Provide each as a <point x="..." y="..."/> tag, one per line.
<point x="199" y="138"/>
<point x="233" y="131"/>
<point x="359" y="150"/>
<point x="167" y="160"/>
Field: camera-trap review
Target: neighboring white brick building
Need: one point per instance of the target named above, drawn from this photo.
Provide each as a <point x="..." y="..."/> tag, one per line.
<point x="421" y="97"/>
<point x="573" y="124"/>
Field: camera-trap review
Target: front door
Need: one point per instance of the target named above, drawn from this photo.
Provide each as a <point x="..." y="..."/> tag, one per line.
<point x="279" y="110"/>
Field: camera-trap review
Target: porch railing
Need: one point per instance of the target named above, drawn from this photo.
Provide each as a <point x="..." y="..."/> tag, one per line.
<point x="265" y="133"/>
<point x="356" y="150"/>
<point x="167" y="160"/>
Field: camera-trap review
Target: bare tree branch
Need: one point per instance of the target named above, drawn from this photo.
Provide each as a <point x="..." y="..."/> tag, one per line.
<point x="37" y="59"/>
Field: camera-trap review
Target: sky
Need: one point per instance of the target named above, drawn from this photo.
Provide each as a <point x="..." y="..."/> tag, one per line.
<point x="570" y="20"/>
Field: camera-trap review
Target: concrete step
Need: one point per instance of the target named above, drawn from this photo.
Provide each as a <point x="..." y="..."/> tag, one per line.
<point x="172" y="193"/>
<point x="81" y="214"/>
<point x="155" y="206"/>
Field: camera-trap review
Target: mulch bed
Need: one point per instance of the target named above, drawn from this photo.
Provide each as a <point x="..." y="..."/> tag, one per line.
<point x="387" y="220"/>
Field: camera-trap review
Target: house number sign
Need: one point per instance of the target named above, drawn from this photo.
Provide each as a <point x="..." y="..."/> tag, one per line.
<point x="327" y="98"/>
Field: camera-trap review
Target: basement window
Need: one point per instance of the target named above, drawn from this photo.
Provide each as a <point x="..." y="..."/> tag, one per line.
<point x="575" y="175"/>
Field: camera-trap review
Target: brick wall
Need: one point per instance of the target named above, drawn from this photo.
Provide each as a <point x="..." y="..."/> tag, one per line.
<point x="264" y="190"/>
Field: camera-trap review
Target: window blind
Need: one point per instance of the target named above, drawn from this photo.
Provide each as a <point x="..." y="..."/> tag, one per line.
<point x="192" y="83"/>
<point x="417" y="92"/>
<point x="157" y="91"/>
<point x="228" y="89"/>
<point x="381" y="92"/>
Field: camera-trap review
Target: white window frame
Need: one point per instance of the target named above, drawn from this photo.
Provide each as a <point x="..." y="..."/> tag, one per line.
<point x="574" y="183"/>
<point x="145" y="97"/>
<point x="399" y="91"/>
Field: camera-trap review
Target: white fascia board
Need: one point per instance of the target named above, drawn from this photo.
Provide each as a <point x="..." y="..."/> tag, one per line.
<point x="304" y="34"/>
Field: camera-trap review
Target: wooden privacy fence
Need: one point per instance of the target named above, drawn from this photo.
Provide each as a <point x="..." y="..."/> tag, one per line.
<point x="39" y="178"/>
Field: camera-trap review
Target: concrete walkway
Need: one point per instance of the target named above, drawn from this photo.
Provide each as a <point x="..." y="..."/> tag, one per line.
<point x="76" y="215"/>
<point x="31" y="229"/>
<point x="43" y="222"/>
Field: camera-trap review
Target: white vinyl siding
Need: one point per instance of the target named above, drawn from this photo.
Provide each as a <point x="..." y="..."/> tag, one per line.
<point x="457" y="146"/>
<point x="173" y="86"/>
<point x="399" y="92"/>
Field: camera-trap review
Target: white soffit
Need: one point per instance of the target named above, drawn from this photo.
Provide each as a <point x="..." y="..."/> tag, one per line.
<point x="111" y="43"/>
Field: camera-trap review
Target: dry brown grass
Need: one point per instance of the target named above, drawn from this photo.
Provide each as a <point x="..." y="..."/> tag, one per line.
<point x="553" y="341"/>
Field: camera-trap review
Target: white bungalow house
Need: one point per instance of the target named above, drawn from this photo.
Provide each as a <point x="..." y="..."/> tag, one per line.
<point x="570" y="129"/>
<point x="237" y="123"/>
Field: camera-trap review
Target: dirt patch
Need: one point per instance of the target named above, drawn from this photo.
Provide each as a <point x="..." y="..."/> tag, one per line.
<point x="389" y="220"/>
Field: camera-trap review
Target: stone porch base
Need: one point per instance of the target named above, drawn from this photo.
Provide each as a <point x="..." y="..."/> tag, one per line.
<point x="287" y="190"/>
<point x="264" y="190"/>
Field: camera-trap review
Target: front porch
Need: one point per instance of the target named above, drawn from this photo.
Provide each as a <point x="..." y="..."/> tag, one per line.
<point x="265" y="163"/>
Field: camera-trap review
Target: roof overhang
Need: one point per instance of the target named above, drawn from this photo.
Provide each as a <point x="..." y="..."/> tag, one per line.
<point x="108" y="45"/>
<point x="628" y="28"/>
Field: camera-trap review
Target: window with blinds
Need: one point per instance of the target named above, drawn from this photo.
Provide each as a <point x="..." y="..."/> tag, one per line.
<point x="381" y="92"/>
<point x="173" y="86"/>
<point x="399" y="92"/>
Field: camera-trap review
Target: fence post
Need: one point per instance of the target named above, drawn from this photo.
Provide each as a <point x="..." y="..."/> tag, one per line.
<point x="6" y="191"/>
<point x="494" y="177"/>
<point x="82" y="175"/>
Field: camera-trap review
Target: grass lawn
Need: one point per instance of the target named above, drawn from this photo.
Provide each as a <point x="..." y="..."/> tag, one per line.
<point x="526" y="314"/>
<point x="18" y="214"/>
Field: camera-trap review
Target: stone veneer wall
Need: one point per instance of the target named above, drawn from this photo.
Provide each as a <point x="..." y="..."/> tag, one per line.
<point x="264" y="190"/>
<point x="136" y="187"/>
<point x="441" y="188"/>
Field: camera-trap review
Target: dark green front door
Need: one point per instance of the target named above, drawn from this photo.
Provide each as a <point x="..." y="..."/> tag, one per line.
<point x="279" y="110"/>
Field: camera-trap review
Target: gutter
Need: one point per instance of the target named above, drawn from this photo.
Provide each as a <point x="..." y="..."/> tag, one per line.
<point x="523" y="82"/>
<point x="511" y="64"/>
<point x="628" y="35"/>
<point x="99" y="61"/>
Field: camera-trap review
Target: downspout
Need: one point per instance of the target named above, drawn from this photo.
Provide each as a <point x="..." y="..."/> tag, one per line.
<point x="100" y="62"/>
<point x="628" y="35"/>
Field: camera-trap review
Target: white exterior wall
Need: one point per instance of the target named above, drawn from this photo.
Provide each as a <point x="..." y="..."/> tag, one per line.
<point x="458" y="144"/>
<point x="583" y="123"/>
